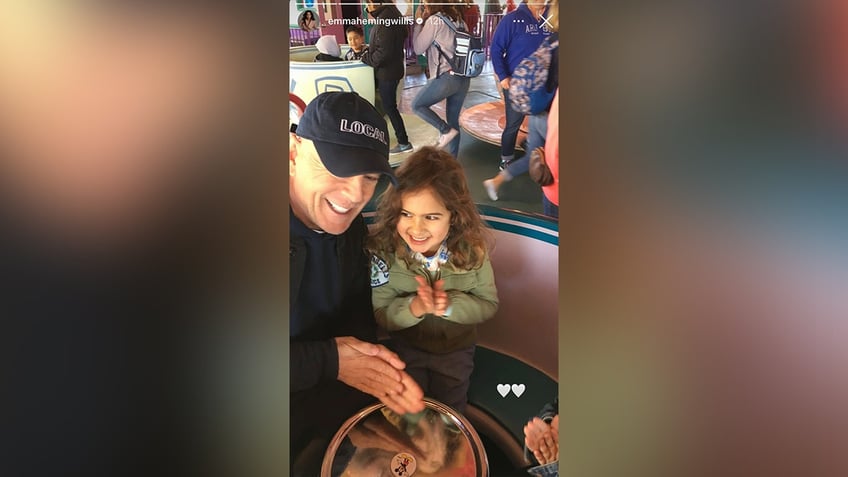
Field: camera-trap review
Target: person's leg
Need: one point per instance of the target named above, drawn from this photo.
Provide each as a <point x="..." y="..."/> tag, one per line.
<point x="510" y="132"/>
<point x="453" y="107"/>
<point x="434" y="91"/>
<point x="450" y="377"/>
<point x="388" y="96"/>
<point x="378" y="103"/>
<point x="537" y="131"/>
<point x="549" y="208"/>
<point x="416" y="362"/>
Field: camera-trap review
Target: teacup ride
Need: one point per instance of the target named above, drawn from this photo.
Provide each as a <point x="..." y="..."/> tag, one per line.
<point x="515" y="364"/>
<point x="486" y="121"/>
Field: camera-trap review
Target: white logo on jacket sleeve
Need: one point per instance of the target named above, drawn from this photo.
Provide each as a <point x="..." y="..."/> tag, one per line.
<point x="379" y="272"/>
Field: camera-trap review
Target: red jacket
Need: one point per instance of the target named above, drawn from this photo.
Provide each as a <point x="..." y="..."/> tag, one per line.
<point x="552" y="151"/>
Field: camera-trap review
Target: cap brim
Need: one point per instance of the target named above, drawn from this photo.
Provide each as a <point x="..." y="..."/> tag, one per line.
<point x="346" y="161"/>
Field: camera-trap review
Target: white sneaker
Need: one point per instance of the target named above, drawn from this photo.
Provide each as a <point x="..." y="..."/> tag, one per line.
<point x="446" y="138"/>
<point x="491" y="190"/>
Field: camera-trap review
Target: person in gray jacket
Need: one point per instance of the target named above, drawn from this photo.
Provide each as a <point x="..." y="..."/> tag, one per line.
<point x="443" y="84"/>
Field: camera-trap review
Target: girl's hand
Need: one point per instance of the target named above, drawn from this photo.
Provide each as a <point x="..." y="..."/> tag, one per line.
<point x="441" y="302"/>
<point x="424" y="302"/>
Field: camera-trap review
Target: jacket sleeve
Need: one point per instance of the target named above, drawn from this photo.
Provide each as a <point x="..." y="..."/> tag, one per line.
<point x="424" y="35"/>
<point x="376" y="54"/>
<point x="312" y="362"/>
<point x="499" y="47"/>
<point x="478" y="304"/>
<point x="390" y="301"/>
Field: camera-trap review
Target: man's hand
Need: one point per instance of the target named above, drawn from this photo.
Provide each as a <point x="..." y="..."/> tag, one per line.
<point x="543" y="439"/>
<point x="375" y="370"/>
<point x="505" y="83"/>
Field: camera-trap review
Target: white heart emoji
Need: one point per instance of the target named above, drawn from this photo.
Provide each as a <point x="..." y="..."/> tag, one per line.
<point x="503" y="389"/>
<point x="518" y="389"/>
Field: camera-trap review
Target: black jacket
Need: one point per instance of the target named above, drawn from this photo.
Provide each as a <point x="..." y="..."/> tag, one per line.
<point x="319" y="402"/>
<point x="385" y="45"/>
<point x="315" y="361"/>
<point x="326" y="57"/>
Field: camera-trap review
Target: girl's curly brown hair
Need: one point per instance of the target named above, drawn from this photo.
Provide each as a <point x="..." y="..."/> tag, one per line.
<point x="430" y="168"/>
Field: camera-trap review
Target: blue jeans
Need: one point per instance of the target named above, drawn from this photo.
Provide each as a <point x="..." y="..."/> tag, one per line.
<point x="546" y="470"/>
<point x="510" y="132"/>
<point x="450" y="87"/>
<point x="549" y="208"/>
<point x="536" y="134"/>
<point x="388" y="96"/>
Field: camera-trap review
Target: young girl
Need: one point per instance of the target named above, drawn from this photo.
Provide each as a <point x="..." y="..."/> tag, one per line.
<point x="431" y="278"/>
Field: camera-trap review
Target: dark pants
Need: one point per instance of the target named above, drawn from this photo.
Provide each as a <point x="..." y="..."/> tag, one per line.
<point x="388" y="97"/>
<point x="443" y="377"/>
<point x="510" y="132"/>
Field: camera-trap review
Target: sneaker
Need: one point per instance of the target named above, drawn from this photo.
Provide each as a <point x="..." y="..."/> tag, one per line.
<point x="446" y="138"/>
<point x="491" y="190"/>
<point x="400" y="148"/>
<point x="504" y="164"/>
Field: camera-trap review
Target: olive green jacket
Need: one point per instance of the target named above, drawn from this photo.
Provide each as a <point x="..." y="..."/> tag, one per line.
<point x="473" y="299"/>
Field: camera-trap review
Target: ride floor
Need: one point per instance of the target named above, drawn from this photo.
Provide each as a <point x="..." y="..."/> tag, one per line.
<point x="479" y="157"/>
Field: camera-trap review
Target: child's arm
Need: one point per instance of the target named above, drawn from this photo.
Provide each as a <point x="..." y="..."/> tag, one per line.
<point x="391" y="302"/>
<point x="476" y="305"/>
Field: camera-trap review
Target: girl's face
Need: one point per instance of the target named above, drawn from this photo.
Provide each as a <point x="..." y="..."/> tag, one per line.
<point x="424" y="221"/>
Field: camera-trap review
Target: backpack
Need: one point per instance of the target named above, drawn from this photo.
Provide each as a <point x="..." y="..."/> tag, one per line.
<point x="469" y="56"/>
<point x="527" y="92"/>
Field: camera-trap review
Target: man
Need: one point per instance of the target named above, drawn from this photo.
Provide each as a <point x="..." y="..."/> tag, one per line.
<point x="336" y="157"/>
<point x="386" y="55"/>
<point x="516" y="37"/>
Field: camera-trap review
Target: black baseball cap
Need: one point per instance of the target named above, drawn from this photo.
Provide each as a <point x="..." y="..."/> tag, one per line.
<point x="351" y="137"/>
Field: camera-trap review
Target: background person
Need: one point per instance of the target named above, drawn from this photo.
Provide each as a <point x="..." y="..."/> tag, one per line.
<point x="388" y="58"/>
<point x="541" y="441"/>
<point x="550" y="193"/>
<point x="335" y="367"/>
<point x="328" y="49"/>
<point x="538" y="123"/>
<point x="516" y="37"/>
<point x="307" y="21"/>
<point x="356" y="40"/>
<point x="441" y="85"/>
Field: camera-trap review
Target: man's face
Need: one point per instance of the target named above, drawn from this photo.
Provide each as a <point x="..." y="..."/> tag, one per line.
<point x="319" y="199"/>
<point x="355" y="40"/>
<point x="96" y="102"/>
